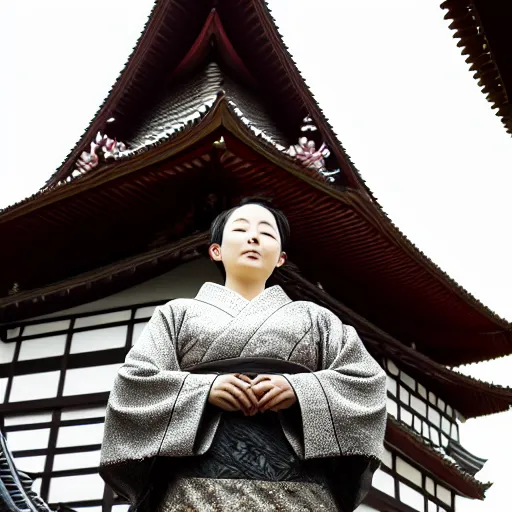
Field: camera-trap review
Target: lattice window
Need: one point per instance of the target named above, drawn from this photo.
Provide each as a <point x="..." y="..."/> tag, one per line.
<point x="410" y="402"/>
<point x="404" y="480"/>
<point x="55" y="376"/>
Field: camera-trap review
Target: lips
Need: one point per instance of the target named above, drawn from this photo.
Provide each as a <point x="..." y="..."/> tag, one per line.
<point x="251" y="253"/>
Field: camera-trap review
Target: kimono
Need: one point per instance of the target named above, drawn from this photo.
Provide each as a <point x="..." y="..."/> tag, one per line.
<point x="164" y="444"/>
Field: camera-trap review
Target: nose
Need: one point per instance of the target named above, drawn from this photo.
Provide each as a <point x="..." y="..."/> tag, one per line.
<point x="254" y="238"/>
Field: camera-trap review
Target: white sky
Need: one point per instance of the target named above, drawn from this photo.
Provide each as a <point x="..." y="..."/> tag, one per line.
<point x="391" y="80"/>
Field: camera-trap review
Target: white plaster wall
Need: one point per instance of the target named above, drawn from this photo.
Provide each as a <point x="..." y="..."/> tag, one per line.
<point x="365" y="508"/>
<point x="183" y="281"/>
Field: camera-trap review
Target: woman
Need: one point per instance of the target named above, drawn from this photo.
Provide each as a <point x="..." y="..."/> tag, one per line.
<point x="242" y="398"/>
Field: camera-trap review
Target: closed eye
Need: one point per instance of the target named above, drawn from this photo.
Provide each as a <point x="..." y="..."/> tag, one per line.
<point x="269" y="234"/>
<point x="239" y="229"/>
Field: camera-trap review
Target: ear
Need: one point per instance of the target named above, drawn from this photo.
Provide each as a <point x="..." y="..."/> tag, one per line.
<point x="215" y="253"/>
<point x="282" y="259"/>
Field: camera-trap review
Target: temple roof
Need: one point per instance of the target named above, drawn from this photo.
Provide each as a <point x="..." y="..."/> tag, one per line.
<point x="483" y="30"/>
<point x="198" y="76"/>
<point x="243" y="36"/>
<point x="117" y="212"/>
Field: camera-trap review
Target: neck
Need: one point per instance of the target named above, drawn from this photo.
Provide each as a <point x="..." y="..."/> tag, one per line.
<point x="247" y="289"/>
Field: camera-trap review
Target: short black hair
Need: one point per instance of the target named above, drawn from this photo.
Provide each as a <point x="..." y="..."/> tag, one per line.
<point x="283" y="226"/>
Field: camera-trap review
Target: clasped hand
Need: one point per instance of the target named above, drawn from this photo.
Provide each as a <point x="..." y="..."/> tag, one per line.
<point x="238" y="392"/>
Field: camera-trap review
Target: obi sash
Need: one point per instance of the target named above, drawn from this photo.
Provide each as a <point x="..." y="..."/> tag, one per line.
<point x="251" y="447"/>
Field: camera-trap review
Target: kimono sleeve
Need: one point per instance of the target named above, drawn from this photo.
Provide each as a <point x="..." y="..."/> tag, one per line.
<point x="154" y="407"/>
<point x="343" y="405"/>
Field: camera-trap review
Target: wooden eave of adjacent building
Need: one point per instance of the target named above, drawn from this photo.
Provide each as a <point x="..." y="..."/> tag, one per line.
<point x="483" y="30"/>
<point x="469" y="396"/>
<point x="404" y="440"/>
<point x="126" y="202"/>
<point x="16" y="494"/>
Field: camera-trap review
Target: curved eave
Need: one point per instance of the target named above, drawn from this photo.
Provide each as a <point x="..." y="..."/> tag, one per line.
<point x="384" y="223"/>
<point x="406" y="441"/>
<point x="466" y="460"/>
<point x="474" y="41"/>
<point x="410" y="268"/>
<point x="220" y="114"/>
<point x="166" y="147"/>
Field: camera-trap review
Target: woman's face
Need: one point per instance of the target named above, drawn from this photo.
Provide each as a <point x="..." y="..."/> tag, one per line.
<point x="251" y="244"/>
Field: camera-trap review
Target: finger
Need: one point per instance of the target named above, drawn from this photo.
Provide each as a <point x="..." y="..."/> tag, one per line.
<point x="274" y="402"/>
<point x="240" y="395"/>
<point x="262" y="387"/>
<point x="278" y="400"/>
<point x="246" y="389"/>
<point x="239" y="383"/>
<point x="261" y="391"/>
<point x="267" y="397"/>
<point x="224" y="405"/>
<point x="285" y="404"/>
<point x="252" y="397"/>
<point x="228" y="397"/>
<point x="260" y="378"/>
<point x="245" y="378"/>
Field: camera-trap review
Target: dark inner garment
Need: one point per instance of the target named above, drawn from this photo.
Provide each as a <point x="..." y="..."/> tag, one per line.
<point x="254" y="448"/>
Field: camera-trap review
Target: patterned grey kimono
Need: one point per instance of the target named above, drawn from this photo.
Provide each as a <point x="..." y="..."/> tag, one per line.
<point x="158" y="406"/>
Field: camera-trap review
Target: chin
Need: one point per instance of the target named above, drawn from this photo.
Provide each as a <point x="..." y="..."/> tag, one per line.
<point x="254" y="268"/>
<point x="252" y="264"/>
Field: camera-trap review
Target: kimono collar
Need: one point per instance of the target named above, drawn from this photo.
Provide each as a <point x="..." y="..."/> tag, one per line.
<point x="233" y="303"/>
